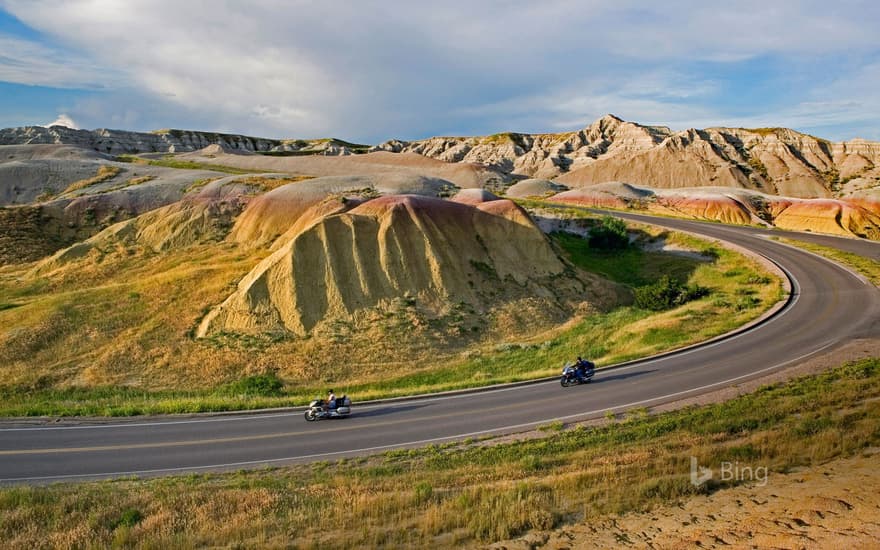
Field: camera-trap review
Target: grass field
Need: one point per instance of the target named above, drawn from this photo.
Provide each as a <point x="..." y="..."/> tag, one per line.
<point x="464" y="493"/>
<point x="113" y="336"/>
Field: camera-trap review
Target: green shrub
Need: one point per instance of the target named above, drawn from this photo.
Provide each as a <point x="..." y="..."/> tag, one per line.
<point x="128" y="518"/>
<point x="667" y="293"/>
<point x="265" y="385"/>
<point x="610" y="234"/>
<point x="424" y="492"/>
<point x="747" y="302"/>
<point x="865" y="368"/>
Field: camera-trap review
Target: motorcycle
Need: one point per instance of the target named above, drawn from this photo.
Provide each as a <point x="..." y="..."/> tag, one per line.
<point x="571" y="375"/>
<point x="318" y="409"/>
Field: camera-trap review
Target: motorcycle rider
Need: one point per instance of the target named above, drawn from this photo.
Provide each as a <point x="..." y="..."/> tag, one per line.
<point x="331" y="399"/>
<point x="582" y="367"/>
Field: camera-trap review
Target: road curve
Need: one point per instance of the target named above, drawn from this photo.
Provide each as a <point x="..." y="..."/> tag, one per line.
<point x="830" y="306"/>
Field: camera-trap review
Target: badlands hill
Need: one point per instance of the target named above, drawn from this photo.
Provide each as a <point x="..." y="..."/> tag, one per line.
<point x="850" y="217"/>
<point x="776" y="161"/>
<point x="340" y="263"/>
<point x="380" y="163"/>
<point x="362" y="267"/>
<point x="52" y="196"/>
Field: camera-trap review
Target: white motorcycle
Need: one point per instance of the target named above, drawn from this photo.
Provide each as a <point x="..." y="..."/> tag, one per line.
<point x="319" y="409"/>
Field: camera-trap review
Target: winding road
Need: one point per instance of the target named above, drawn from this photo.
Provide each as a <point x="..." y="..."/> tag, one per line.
<point x="829" y="306"/>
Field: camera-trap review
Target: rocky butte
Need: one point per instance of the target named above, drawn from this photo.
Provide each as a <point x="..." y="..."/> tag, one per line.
<point x="772" y="160"/>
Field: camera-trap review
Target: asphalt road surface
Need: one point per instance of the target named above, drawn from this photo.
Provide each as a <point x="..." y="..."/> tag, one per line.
<point x="829" y="306"/>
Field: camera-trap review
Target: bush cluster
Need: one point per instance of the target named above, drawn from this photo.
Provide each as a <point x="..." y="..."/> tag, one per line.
<point x="667" y="293"/>
<point x="610" y="234"/>
<point x="265" y="385"/>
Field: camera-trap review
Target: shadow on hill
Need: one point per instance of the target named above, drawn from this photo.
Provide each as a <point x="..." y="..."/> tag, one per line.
<point x="643" y="262"/>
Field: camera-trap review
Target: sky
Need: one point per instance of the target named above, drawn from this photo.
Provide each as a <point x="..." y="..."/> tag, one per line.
<point x="369" y="71"/>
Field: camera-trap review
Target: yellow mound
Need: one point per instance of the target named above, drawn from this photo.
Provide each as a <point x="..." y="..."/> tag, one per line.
<point x="716" y="207"/>
<point x="854" y="216"/>
<point x="828" y="216"/>
<point x="589" y="197"/>
<point x="436" y="252"/>
<point x="206" y="216"/>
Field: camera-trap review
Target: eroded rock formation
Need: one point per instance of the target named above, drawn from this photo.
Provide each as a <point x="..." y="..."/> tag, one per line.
<point x="437" y="252"/>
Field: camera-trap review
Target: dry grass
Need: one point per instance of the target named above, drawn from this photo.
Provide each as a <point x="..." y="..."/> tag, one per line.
<point x="132" y="312"/>
<point x="866" y="266"/>
<point x="104" y="173"/>
<point x="23" y="235"/>
<point x="139" y="180"/>
<point x="128" y="183"/>
<point x="268" y="184"/>
<point x="467" y="493"/>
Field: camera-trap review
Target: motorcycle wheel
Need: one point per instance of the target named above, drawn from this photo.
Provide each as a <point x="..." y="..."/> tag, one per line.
<point x="565" y="382"/>
<point x="311" y="415"/>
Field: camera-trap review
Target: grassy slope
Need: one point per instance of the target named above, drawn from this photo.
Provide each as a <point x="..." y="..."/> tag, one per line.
<point x="114" y="338"/>
<point x="104" y="173"/>
<point x="866" y="266"/>
<point x="468" y="492"/>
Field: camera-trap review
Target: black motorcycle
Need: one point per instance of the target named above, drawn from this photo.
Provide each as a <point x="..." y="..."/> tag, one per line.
<point x="573" y="374"/>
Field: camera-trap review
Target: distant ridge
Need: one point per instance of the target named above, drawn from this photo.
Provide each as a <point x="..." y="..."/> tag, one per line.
<point x="777" y="161"/>
<point x="772" y="160"/>
<point x="116" y="142"/>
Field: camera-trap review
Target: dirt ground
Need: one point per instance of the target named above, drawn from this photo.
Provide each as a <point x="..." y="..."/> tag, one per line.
<point x="835" y="505"/>
<point x="832" y="505"/>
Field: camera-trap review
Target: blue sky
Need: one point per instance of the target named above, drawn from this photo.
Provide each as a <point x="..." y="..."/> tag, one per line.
<point x="371" y="71"/>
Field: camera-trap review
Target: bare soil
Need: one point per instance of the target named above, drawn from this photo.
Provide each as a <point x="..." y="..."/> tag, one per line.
<point x="834" y="505"/>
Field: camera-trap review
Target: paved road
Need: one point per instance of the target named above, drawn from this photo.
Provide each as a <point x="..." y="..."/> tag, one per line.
<point x="829" y="306"/>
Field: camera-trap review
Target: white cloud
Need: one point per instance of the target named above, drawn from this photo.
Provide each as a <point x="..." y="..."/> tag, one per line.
<point x="63" y="120"/>
<point x="726" y="32"/>
<point x="653" y="97"/>
<point x="373" y="70"/>
<point x="27" y="62"/>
